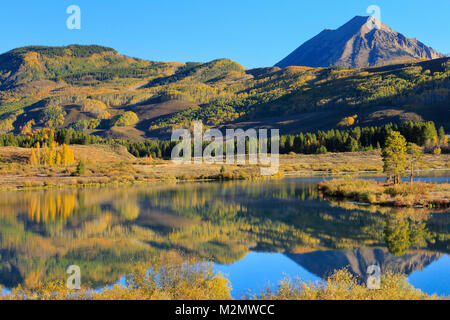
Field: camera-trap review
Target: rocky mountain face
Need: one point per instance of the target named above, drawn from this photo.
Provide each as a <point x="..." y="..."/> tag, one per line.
<point x="361" y="42"/>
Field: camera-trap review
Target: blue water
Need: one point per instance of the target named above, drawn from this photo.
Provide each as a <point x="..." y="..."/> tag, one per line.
<point x="421" y="179"/>
<point x="4" y="291"/>
<point x="286" y="209"/>
<point x="258" y="270"/>
<point x="434" y="279"/>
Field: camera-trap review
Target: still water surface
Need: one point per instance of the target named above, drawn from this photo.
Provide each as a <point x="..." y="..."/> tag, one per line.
<point x="255" y="233"/>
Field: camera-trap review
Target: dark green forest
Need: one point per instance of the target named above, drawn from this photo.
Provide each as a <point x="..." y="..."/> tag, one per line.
<point x="335" y="140"/>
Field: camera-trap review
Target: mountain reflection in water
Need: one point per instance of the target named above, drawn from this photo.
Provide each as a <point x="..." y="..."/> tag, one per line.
<point x="108" y="231"/>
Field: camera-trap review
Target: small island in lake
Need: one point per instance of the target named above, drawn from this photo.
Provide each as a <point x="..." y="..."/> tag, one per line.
<point x="417" y="194"/>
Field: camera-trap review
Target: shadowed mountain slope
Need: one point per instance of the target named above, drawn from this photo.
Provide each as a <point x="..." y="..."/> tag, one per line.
<point x="361" y="42"/>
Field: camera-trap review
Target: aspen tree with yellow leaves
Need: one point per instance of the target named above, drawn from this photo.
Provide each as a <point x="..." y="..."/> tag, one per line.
<point x="33" y="158"/>
<point x="394" y="156"/>
<point x="52" y="155"/>
<point x="67" y="156"/>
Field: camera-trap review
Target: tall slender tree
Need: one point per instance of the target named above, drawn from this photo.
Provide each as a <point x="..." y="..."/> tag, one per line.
<point x="415" y="158"/>
<point x="394" y="156"/>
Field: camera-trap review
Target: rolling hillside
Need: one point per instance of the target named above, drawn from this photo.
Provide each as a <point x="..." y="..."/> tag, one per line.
<point x="97" y="90"/>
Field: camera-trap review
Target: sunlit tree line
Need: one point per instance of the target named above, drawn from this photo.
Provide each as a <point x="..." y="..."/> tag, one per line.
<point x="335" y="140"/>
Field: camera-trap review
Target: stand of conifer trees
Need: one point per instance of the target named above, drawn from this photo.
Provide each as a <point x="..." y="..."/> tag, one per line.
<point x="335" y="140"/>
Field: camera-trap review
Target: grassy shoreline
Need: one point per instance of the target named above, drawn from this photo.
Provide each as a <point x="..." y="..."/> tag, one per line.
<point x="417" y="194"/>
<point x="107" y="166"/>
<point x="198" y="282"/>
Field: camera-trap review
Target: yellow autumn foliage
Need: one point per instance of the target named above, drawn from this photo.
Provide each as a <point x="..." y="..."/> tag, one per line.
<point x="52" y="155"/>
<point x="197" y="281"/>
<point x="348" y="121"/>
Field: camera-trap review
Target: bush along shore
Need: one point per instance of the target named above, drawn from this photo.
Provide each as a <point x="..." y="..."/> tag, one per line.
<point x="187" y="281"/>
<point x="398" y="156"/>
<point x="417" y="194"/>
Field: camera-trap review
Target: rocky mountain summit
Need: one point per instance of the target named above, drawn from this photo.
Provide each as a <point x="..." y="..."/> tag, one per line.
<point x="361" y="42"/>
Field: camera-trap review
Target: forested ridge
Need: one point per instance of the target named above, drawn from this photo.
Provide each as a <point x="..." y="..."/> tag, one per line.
<point x="96" y="90"/>
<point x="423" y="134"/>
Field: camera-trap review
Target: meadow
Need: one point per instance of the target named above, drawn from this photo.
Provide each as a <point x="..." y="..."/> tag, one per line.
<point x="107" y="164"/>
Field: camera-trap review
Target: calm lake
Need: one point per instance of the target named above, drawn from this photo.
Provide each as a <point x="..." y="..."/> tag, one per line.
<point x="255" y="233"/>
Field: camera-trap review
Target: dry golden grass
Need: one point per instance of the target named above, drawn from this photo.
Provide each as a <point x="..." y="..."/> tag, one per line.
<point x="399" y="195"/>
<point x="190" y="281"/>
<point x="114" y="165"/>
<point x="94" y="153"/>
<point x="348" y="162"/>
<point x="343" y="286"/>
<point x="176" y="281"/>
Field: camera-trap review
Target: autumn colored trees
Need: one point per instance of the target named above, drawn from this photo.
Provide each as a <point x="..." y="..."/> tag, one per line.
<point x="52" y="155"/>
<point x="53" y="116"/>
<point x="127" y="118"/>
<point x="415" y="158"/>
<point x="399" y="155"/>
<point x="394" y="156"/>
<point x="423" y="134"/>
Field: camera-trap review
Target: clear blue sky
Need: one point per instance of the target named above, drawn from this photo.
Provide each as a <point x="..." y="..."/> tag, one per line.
<point x="252" y="32"/>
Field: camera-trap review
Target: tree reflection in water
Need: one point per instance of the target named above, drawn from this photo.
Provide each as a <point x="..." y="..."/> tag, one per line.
<point x="109" y="231"/>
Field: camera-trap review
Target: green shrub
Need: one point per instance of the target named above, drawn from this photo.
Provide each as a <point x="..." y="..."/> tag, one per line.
<point x="81" y="168"/>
